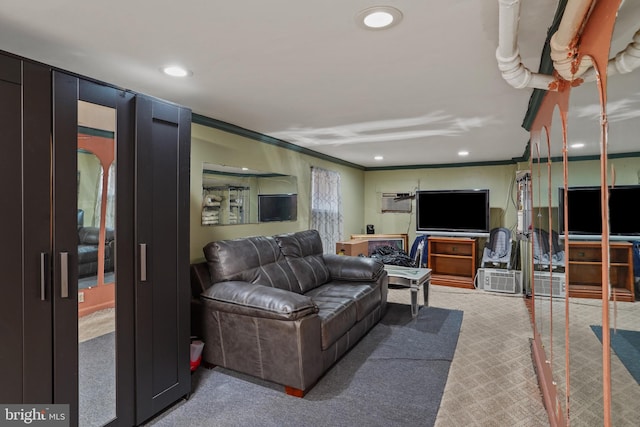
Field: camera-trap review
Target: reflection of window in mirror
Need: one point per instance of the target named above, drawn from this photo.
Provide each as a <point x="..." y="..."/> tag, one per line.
<point x="230" y="195"/>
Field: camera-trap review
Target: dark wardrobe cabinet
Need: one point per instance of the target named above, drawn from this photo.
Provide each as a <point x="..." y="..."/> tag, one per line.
<point x="39" y="176"/>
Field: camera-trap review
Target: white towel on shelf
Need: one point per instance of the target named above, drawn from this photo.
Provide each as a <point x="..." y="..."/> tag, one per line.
<point x="208" y="201"/>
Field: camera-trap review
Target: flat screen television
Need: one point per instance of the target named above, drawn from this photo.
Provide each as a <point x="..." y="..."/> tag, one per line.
<point x="452" y="211"/>
<point x="277" y="207"/>
<point x="584" y="210"/>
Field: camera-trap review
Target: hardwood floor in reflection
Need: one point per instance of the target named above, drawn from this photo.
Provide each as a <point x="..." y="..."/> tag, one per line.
<point x="96" y="324"/>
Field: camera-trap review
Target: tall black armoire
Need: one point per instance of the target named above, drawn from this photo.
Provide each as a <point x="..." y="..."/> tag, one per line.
<point x="66" y="139"/>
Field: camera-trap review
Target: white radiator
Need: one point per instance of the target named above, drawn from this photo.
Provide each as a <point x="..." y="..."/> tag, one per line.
<point x="498" y="280"/>
<point x="547" y="285"/>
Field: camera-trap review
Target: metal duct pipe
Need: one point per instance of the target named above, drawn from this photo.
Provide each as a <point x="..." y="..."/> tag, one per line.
<point x="624" y="62"/>
<point x="563" y="42"/>
<point x="508" y="55"/>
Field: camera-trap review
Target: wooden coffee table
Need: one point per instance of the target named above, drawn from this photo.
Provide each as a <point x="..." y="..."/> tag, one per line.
<point x="412" y="278"/>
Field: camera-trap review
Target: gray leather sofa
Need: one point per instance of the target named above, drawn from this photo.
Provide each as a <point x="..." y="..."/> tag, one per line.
<point x="279" y="309"/>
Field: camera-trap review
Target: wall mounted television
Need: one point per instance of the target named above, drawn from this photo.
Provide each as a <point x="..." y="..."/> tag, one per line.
<point x="277" y="207"/>
<point x="584" y="210"/>
<point x="460" y="211"/>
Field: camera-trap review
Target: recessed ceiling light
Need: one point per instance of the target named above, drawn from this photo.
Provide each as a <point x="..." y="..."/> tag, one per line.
<point x="245" y="169"/>
<point x="463" y="153"/>
<point x="379" y="17"/>
<point x="378" y="158"/>
<point x="176" y="71"/>
<point x="578" y="145"/>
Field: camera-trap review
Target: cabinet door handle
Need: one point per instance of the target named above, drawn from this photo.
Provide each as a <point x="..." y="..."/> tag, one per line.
<point x="143" y="262"/>
<point x="64" y="274"/>
<point x="43" y="276"/>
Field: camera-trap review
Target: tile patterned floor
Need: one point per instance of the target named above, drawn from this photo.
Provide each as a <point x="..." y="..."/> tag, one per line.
<point x="491" y="381"/>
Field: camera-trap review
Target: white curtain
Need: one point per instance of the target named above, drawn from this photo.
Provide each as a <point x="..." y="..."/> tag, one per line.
<point x="111" y="197"/>
<point x="326" y="207"/>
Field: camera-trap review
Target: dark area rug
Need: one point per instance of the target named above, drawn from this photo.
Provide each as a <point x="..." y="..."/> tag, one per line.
<point x="394" y="376"/>
<point x="626" y="345"/>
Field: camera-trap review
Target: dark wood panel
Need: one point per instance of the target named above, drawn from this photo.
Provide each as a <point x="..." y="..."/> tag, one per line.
<point x="10" y="69"/>
<point x="65" y="310"/>
<point x="11" y="249"/>
<point x="162" y="300"/>
<point x="125" y="258"/>
<point x="37" y="232"/>
<point x="25" y="317"/>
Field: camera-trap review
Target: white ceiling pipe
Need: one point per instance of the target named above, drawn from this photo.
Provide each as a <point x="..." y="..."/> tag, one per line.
<point x="624" y="62"/>
<point x="508" y="55"/>
<point x="573" y="18"/>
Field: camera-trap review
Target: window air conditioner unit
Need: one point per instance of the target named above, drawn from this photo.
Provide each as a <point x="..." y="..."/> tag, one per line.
<point x="498" y="280"/>
<point x="396" y="202"/>
<point x="546" y="284"/>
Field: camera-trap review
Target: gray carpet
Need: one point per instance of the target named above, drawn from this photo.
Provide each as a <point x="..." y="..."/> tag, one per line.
<point x="96" y="380"/>
<point x="394" y="376"/>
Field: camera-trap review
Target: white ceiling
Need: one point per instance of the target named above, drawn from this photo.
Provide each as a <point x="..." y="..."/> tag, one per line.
<point x="306" y="73"/>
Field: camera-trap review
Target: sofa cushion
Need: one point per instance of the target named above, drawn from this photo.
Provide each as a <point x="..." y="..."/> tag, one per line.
<point x="366" y="296"/>
<point x="337" y="315"/>
<point x="255" y="260"/>
<point x="303" y="252"/>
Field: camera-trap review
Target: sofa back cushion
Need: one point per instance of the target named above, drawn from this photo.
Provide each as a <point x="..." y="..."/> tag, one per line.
<point x="255" y="260"/>
<point x="303" y="251"/>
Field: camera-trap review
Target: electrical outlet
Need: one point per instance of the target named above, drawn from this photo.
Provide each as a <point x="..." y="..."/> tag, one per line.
<point x="80" y="296"/>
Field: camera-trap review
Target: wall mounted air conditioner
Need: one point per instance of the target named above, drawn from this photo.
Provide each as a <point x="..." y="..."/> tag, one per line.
<point x="396" y="202"/>
<point x="499" y="280"/>
<point x="546" y="285"/>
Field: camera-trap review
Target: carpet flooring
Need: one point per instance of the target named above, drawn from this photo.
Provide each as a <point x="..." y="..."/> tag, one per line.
<point x="626" y="345"/>
<point x="96" y="380"/>
<point x="394" y="376"/>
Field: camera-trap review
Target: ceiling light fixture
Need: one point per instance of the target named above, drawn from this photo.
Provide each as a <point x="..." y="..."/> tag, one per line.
<point x="577" y="145"/>
<point x="378" y="158"/>
<point x="379" y="17"/>
<point x="176" y="71"/>
<point x="463" y="153"/>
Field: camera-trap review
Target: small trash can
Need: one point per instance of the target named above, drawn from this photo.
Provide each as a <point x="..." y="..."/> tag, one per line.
<point x="196" y="354"/>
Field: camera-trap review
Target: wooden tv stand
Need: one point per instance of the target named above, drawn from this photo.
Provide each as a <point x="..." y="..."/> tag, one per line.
<point x="585" y="270"/>
<point x="452" y="261"/>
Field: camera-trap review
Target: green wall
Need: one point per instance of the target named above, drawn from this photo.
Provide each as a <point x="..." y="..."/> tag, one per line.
<point x="216" y="146"/>
<point x="499" y="179"/>
<point x="362" y="190"/>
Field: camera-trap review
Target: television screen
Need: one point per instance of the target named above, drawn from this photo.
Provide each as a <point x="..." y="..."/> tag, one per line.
<point x="453" y="210"/>
<point x="277" y="207"/>
<point x="584" y="210"/>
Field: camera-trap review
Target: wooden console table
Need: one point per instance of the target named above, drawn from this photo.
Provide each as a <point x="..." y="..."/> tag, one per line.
<point x="585" y="270"/>
<point x="452" y="261"/>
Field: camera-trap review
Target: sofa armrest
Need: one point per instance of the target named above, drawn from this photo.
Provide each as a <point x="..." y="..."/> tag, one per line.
<point x="91" y="235"/>
<point x="257" y="301"/>
<point x="353" y="268"/>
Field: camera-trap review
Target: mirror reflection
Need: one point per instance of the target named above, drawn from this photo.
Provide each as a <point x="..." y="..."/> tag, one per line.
<point x="572" y="325"/>
<point x="96" y="264"/>
<point x="235" y="195"/>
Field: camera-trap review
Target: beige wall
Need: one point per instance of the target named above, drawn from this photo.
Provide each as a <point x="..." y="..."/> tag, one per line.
<point x="581" y="173"/>
<point x="216" y="146"/>
<point x="362" y="191"/>
<point x="498" y="179"/>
